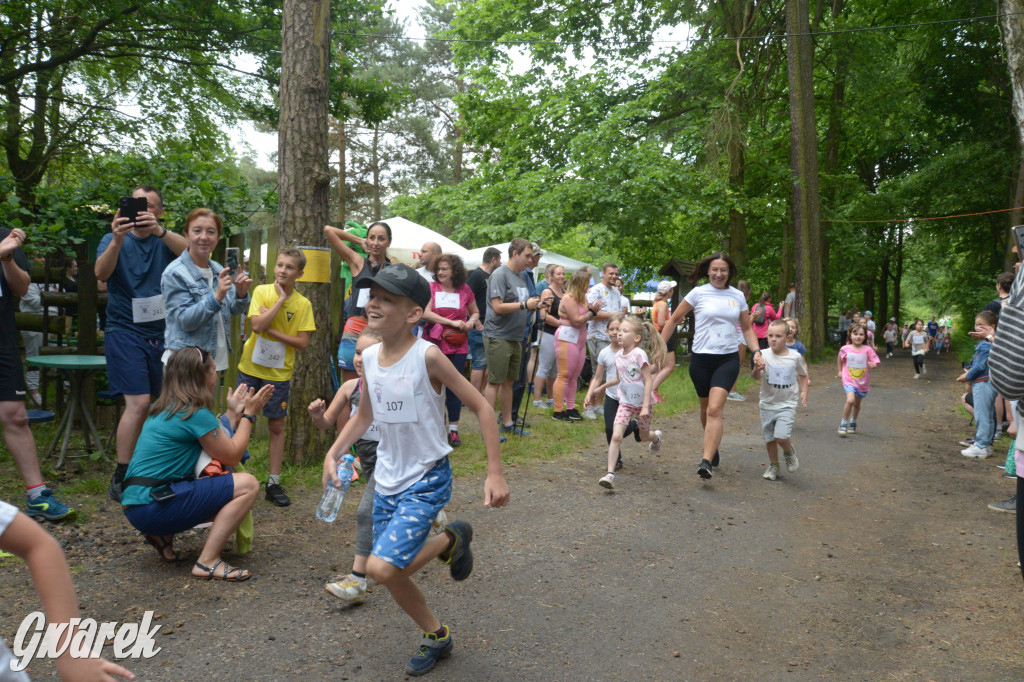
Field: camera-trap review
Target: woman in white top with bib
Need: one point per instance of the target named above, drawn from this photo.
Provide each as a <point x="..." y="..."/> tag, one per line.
<point x="715" y="361"/>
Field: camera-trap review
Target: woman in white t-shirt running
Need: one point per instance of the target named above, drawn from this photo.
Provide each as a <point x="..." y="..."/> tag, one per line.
<point x="714" y="361"/>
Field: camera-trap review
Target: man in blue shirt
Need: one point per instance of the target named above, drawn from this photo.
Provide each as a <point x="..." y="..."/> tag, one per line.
<point x="131" y="260"/>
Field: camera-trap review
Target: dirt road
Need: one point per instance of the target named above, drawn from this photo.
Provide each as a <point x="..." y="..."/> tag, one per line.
<point x="877" y="559"/>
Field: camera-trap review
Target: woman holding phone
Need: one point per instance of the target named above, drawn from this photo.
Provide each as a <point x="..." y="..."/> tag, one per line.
<point x="200" y="294"/>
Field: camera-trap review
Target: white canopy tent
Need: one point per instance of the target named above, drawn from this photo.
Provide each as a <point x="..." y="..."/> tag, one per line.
<point x="474" y="257"/>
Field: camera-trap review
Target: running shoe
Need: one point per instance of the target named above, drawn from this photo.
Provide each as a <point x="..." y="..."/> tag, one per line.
<point x="792" y="463"/>
<point x="539" y="404"/>
<point x="917" y="376"/>
<point x="704" y="470"/>
<point x="738" y="397"/>
<point x="514" y="430"/>
<point x="655" y="446"/>
<point x="967" y="442"/>
<point x="561" y="417"/>
<point x="350" y="589"/>
<point x="771" y="473"/>
<point x="276" y="494"/>
<point x="459" y="556"/>
<point x="716" y="460"/>
<point x="607" y="481"/>
<point x="549" y="403"/>
<point x="432" y="649"/>
<point x="618" y="463"/>
<point x="842" y="429"/>
<point x="1009" y="506"/>
<point x="453" y="439"/>
<point x="574" y="415"/>
<point x="976" y="452"/>
<point x="588" y="413"/>
<point x="851" y="427"/>
<point x="47" y="506"/>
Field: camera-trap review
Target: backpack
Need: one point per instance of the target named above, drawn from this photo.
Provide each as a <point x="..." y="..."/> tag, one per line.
<point x="1006" y="359"/>
<point x="760" y="310"/>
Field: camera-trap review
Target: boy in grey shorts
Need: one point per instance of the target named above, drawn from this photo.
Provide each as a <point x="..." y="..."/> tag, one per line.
<point x="783" y="377"/>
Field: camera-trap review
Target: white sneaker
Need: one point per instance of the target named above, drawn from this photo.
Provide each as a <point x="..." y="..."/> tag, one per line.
<point x="655" y="446"/>
<point x="350" y="589"/>
<point x="924" y="370"/>
<point x="976" y="452"/>
<point x="589" y="413"/>
<point x="917" y="376"/>
<point x="738" y="397"/>
<point x="607" y="481"/>
<point x="771" y="473"/>
<point x="842" y="429"/>
<point x="549" y="403"/>
<point x="540" y="404"/>
<point x="792" y="463"/>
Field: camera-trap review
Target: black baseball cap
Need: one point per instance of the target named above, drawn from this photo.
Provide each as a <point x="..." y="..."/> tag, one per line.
<point x="400" y="280"/>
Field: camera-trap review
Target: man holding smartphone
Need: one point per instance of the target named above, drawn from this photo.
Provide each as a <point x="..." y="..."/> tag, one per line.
<point x="131" y="260"/>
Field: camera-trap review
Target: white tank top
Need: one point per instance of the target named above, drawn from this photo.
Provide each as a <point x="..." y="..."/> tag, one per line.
<point x="409" y="414"/>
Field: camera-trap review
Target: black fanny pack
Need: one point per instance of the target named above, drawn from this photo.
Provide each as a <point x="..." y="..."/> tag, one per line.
<point x="160" y="488"/>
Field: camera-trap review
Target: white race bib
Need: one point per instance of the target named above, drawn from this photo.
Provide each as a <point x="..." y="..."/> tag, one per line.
<point x="148" y="309"/>
<point x="782" y="375"/>
<point x="568" y="334"/>
<point x="394" y="402"/>
<point x="363" y="297"/>
<point x="631" y="393"/>
<point x="443" y="299"/>
<point x="269" y="353"/>
<point x="857" y="360"/>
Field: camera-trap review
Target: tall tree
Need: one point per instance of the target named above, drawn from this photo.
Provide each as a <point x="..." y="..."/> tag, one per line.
<point x="1012" y="25"/>
<point x="303" y="186"/>
<point x="804" y="153"/>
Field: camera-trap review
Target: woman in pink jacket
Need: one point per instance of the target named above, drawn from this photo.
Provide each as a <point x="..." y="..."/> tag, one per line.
<point x="761" y="316"/>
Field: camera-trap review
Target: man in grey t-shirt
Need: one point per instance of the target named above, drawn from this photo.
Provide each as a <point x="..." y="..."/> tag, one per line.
<point x="508" y="310"/>
<point x="597" y="329"/>
<point x="789" y="305"/>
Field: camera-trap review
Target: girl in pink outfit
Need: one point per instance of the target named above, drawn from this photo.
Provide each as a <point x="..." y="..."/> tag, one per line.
<point x="571" y="345"/>
<point x="642" y="353"/>
<point x="762" y="315"/>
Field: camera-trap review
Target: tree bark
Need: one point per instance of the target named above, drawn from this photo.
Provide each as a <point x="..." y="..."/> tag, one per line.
<point x="804" y="161"/>
<point x="1016" y="218"/>
<point x="1011" y="25"/>
<point x="304" y="187"/>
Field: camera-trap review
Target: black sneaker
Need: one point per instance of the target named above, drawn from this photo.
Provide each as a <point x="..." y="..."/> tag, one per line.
<point x="561" y="417"/>
<point x="453" y="439"/>
<point x="432" y="650"/>
<point x="459" y="557"/>
<point x="704" y="470"/>
<point x="574" y="415"/>
<point x="277" y="495"/>
<point x="716" y="460"/>
<point x="115" y="488"/>
<point x="523" y="424"/>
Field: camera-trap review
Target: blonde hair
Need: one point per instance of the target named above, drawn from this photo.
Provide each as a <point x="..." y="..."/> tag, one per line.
<point x="184" y="389"/>
<point x="578" y="285"/>
<point x="651" y="343"/>
<point x="792" y="321"/>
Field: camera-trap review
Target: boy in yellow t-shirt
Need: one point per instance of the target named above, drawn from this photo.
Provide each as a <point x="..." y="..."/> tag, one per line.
<point x="282" y="320"/>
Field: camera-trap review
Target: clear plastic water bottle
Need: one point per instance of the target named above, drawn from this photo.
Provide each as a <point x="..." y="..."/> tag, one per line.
<point x="327" y="510"/>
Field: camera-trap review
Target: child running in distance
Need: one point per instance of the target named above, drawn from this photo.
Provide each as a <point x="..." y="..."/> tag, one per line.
<point x="642" y="351"/>
<point x="352" y="587"/>
<point x="606" y="362"/>
<point x="783" y="377"/>
<point x="22" y="536"/>
<point x="918" y="341"/>
<point x="983" y="392"/>
<point x="890" y="339"/>
<point x="405" y="379"/>
<point x="853" y="366"/>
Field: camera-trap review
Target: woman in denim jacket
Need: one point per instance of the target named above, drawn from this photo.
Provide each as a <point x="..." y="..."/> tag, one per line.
<point x="200" y="294"/>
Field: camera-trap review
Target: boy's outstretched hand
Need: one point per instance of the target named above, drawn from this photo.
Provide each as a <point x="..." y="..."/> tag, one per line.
<point x="496" y="492"/>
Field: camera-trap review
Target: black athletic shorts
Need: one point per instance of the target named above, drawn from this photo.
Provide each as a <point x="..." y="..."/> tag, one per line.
<point x="709" y="371"/>
<point x="12" y="377"/>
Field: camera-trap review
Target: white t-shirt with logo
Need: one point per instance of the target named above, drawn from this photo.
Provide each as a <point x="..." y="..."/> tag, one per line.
<point x="630" y="368"/>
<point x="716" y="313"/>
<point x="918" y="342"/>
<point x="779" y="385"/>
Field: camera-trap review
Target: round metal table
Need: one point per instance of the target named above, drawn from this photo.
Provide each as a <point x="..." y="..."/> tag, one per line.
<point x="76" y="368"/>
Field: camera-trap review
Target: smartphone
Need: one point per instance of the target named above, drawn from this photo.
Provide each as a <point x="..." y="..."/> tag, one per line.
<point x="162" y="493"/>
<point x="1018" y="234"/>
<point x="232" y="254"/>
<point x="131" y="207"/>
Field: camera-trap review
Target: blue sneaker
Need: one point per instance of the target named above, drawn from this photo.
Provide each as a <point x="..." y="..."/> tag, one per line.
<point x="513" y="429"/>
<point x="432" y="649"/>
<point x="459" y="558"/>
<point x="48" y="507"/>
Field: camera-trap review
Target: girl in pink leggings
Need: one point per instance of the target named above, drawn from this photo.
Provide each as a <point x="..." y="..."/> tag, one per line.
<point x="571" y="345"/>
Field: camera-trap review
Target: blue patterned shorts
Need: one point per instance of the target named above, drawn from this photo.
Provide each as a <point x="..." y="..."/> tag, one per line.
<point x="402" y="522"/>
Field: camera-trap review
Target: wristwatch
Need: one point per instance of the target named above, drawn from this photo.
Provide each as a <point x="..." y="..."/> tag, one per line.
<point x="250" y="417"/>
<point x="163" y="234"/>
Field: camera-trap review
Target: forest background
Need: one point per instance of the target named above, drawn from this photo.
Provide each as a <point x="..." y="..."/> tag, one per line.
<point x="633" y="131"/>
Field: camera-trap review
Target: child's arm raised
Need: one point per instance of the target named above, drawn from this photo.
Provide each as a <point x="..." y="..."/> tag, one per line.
<point x="229" y="451"/>
<point x="440" y="369"/>
<point x="355" y="428"/>
<point x="323" y="416"/>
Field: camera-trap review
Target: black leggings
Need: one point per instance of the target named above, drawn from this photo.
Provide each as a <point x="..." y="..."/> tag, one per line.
<point x="708" y="370"/>
<point x="918" y="363"/>
<point x="611" y="406"/>
<point x="1020" y="522"/>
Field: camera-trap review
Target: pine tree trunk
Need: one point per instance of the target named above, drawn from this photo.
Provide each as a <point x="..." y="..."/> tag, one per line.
<point x="804" y="161"/>
<point x="1011" y="25"/>
<point x="304" y="187"/>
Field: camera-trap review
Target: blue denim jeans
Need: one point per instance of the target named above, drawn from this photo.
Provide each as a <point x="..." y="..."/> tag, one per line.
<point x="984" y="413"/>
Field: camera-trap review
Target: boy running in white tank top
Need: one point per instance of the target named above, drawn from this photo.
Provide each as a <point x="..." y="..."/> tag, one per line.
<point x="405" y="379"/>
